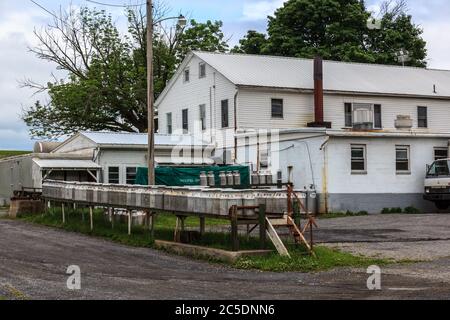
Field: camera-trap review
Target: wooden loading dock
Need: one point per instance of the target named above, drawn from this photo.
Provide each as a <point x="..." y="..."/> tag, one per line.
<point x="267" y="209"/>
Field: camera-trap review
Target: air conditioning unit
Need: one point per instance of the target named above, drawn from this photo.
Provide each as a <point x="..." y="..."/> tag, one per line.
<point x="403" y="122"/>
<point x="363" y="119"/>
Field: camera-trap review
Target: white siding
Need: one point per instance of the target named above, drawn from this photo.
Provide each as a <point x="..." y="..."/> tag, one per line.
<point x="78" y="144"/>
<point x="123" y="160"/>
<point x="210" y="91"/>
<point x="438" y="110"/>
<point x="255" y="109"/>
<point x="381" y="174"/>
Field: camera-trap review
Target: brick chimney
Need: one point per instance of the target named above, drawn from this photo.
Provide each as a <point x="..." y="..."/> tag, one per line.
<point x="318" y="96"/>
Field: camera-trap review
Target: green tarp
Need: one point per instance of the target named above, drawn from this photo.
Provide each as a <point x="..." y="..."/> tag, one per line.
<point x="179" y="177"/>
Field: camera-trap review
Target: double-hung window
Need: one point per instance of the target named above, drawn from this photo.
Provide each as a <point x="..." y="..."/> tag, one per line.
<point x="202" y="70"/>
<point x="185" y="120"/>
<point x="203" y="116"/>
<point x="131" y="175"/>
<point x="358" y="158"/>
<point x="422" y="117"/>
<point x="186" y="75"/>
<point x="169" y="123"/>
<point x="402" y="162"/>
<point x="224" y="113"/>
<point x="277" y="109"/>
<point x="113" y="175"/>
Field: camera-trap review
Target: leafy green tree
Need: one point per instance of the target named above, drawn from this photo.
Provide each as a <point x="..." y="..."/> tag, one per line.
<point x="398" y="40"/>
<point x="202" y="37"/>
<point x="252" y="43"/>
<point x="338" y="30"/>
<point x="106" y="85"/>
<point x="333" y="29"/>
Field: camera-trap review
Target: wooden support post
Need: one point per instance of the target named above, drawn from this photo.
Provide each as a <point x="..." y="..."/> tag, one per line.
<point x="234" y="229"/>
<point x="112" y="215"/>
<point x="182" y="223"/>
<point x="147" y="220"/>
<point x="262" y="226"/>
<point x="297" y="214"/>
<point x="202" y="226"/>
<point x="91" y="217"/>
<point x="63" y="214"/>
<point x="311" y="234"/>
<point x="153" y="219"/>
<point x="129" y="222"/>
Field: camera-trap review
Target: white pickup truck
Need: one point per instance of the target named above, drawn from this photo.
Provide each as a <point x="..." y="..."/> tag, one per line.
<point x="437" y="184"/>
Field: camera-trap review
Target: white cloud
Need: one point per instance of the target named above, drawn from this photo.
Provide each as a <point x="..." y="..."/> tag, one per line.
<point x="17" y="63"/>
<point x="253" y="11"/>
<point x="438" y="43"/>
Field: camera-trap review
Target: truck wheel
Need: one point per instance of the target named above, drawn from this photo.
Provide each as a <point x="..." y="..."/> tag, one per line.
<point x="442" y="205"/>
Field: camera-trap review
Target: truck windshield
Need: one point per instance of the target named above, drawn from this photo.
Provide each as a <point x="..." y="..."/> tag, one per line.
<point x="439" y="168"/>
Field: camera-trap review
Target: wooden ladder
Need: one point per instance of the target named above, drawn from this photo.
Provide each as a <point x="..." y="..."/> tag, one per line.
<point x="288" y="221"/>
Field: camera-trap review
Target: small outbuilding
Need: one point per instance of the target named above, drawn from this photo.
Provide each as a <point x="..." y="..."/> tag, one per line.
<point x="103" y="157"/>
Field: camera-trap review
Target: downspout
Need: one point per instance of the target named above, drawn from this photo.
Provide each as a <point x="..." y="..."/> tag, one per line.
<point x="211" y="114"/>
<point x="235" y="125"/>
<point x="325" y="174"/>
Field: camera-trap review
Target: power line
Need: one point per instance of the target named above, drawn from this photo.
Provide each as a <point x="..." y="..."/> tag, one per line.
<point x="43" y="8"/>
<point x="116" y="5"/>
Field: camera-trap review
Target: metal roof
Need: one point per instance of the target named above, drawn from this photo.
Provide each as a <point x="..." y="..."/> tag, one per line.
<point x="66" y="163"/>
<point x="296" y="73"/>
<point x="140" y="139"/>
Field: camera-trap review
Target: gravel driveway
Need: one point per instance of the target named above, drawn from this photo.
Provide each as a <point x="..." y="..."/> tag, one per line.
<point x="34" y="260"/>
<point x="401" y="236"/>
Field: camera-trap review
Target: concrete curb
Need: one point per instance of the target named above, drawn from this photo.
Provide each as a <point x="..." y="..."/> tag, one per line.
<point x="212" y="253"/>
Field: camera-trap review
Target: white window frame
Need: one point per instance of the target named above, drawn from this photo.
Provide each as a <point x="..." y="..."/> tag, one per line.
<point x="126" y="173"/>
<point x="188" y="72"/>
<point x="185" y="130"/>
<point x="118" y="174"/>
<point x="200" y="65"/>
<point x="271" y="109"/>
<point x="372" y="112"/>
<point x="169" y="124"/>
<point x="364" y="159"/>
<point x="408" y="150"/>
<point x="202" y="115"/>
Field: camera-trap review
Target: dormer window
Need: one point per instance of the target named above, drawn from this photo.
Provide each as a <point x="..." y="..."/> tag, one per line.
<point x="187" y="75"/>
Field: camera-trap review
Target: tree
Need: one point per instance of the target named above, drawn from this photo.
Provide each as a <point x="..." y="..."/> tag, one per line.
<point x="202" y="37"/>
<point x="106" y="86"/>
<point x="338" y="30"/>
<point x="333" y="29"/>
<point x="252" y="43"/>
<point x="399" y="40"/>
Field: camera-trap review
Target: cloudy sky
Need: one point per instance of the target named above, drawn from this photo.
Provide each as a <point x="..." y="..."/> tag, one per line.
<point x="18" y="18"/>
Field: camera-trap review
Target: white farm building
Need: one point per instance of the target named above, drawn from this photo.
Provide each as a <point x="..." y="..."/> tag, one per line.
<point x="360" y="135"/>
<point x="103" y="157"/>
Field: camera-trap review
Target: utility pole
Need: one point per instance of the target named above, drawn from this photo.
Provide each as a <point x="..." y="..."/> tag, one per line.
<point x="150" y="96"/>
